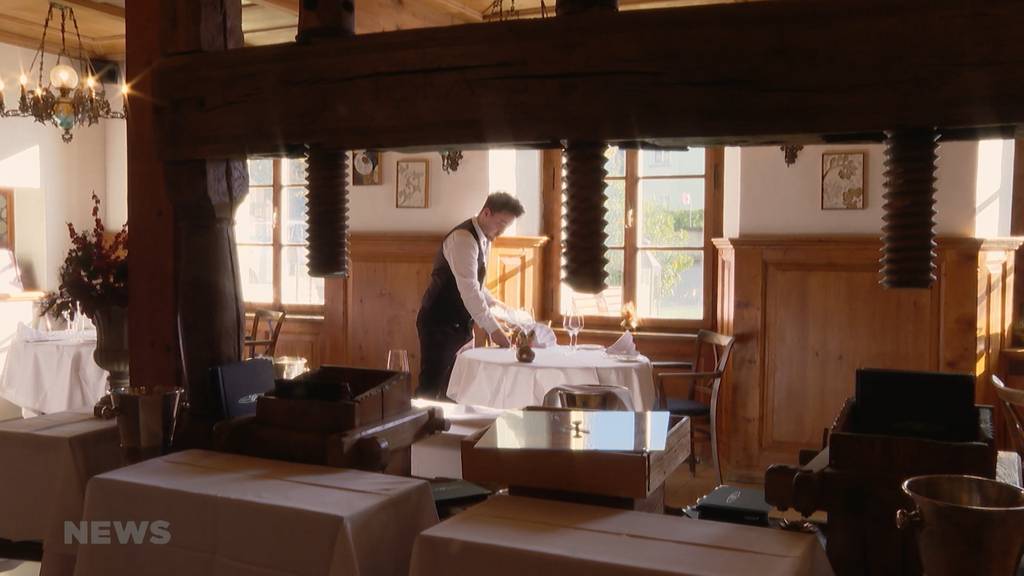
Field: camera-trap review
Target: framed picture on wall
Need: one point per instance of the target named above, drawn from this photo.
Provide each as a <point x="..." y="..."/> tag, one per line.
<point x="412" y="183"/>
<point x="842" y="180"/>
<point x="366" y="168"/>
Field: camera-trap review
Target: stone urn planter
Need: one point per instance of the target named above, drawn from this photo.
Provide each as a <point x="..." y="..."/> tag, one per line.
<point x="112" y="344"/>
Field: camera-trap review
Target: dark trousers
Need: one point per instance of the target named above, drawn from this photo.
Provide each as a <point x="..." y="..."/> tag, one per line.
<point x="439" y="344"/>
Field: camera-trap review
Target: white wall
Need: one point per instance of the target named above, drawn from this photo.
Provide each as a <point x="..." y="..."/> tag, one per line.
<point x="451" y="197"/>
<point x="53" y="181"/>
<point x="994" y="188"/>
<point x="776" y="199"/>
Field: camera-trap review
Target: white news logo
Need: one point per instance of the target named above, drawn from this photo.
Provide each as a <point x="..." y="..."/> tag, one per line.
<point x="117" y="532"/>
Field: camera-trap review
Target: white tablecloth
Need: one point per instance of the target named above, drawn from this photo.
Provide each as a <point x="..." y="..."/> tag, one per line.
<point x="440" y="455"/>
<point x="46" y="463"/>
<point x="52" y="376"/>
<point x="492" y="376"/>
<point x="237" y="515"/>
<point x="514" y="536"/>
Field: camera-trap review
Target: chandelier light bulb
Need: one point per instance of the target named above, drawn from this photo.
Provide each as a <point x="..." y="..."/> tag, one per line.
<point x="23" y="80"/>
<point x="1" y="84"/>
<point x="91" y="83"/>
<point x="124" y="89"/>
<point x="63" y="76"/>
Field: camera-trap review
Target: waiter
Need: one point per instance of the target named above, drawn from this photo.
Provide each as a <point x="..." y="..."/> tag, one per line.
<point x="456" y="298"/>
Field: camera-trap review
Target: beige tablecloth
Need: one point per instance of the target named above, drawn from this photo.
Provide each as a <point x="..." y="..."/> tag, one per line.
<point x="492" y="376"/>
<point x="515" y="536"/>
<point x="47" y="462"/>
<point x="236" y="515"/>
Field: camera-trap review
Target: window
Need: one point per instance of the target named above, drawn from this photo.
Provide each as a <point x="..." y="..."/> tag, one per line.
<point x="7" y="219"/>
<point x="270" y="229"/>
<point x="660" y="255"/>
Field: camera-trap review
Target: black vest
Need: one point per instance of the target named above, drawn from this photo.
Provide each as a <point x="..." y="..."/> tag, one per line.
<point x="442" y="304"/>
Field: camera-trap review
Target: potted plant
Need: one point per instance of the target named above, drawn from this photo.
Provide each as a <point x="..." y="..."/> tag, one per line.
<point x="94" y="282"/>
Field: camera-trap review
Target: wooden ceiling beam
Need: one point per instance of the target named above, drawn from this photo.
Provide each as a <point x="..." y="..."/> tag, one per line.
<point x="750" y="73"/>
<point x="98" y="7"/>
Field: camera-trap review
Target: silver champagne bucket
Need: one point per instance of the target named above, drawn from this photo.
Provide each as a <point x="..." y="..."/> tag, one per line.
<point x="146" y="419"/>
<point x="965" y="524"/>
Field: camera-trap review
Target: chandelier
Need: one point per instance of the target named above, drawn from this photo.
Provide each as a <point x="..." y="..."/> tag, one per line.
<point x="65" y="102"/>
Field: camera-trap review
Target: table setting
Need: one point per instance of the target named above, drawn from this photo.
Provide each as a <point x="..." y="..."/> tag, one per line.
<point x="52" y="371"/>
<point x="501" y="378"/>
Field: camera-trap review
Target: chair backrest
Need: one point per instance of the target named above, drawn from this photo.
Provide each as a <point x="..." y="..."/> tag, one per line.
<point x="717" y="347"/>
<point x="274" y="320"/>
<point x="593" y="397"/>
<point x="712" y="355"/>
<point x="239" y="384"/>
<point x="1013" y="401"/>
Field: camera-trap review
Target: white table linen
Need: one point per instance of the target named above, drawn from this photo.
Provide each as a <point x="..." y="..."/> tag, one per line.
<point x="440" y="455"/>
<point x="53" y="375"/>
<point x="237" y="515"/>
<point x="513" y="536"/>
<point x="492" y="376"/>
<point x="47" y="462"/>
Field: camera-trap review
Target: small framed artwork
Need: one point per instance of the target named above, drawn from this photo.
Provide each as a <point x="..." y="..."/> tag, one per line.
<point x="366" y="168"/>
<point x="842" y="180"/>
<point x="411" y="183"/>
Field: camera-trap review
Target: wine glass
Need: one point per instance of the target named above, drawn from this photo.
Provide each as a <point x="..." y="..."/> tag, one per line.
<point x="398" y="361"/>
<point x="573" y="324"/>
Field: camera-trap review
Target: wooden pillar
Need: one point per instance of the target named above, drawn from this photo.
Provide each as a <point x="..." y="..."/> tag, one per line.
<point x="189" y="221"/>
<point x="152" y="320"/>
<point x="1017" y="227"/>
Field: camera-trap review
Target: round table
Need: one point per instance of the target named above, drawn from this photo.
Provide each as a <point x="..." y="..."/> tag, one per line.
<point x="53" y="375"/>
<point x="492" y="376"/>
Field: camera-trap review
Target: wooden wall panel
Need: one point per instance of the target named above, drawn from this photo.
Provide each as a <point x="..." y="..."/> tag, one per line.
<point x="996" y="264"/>
<point x="374" y="310"/>
<point x="806" y="313"/>
<point x="301" y="337"/>
<point x="821" y="324"/>
<point x="515" y="272"/>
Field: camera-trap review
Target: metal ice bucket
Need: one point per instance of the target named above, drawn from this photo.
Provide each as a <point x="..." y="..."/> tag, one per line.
<point x="965" y="524"/>
<point x="583" y="397"/>
<point x="146" y="419"/>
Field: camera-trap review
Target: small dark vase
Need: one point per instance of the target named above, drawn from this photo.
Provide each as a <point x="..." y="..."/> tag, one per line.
<point x="112" y="344"/>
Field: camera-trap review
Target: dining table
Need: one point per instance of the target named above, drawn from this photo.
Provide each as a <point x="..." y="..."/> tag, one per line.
<point x="493" y="377"/>
<point x="49" y="372"/>
<point x="47" y="464"/>
<point x="513" y="535"/>
<point x="225" y="514"/>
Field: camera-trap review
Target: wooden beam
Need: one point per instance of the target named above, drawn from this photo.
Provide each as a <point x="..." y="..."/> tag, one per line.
<point x="92" y="6"/>
<point x="152" y="318"/>
<point x="1017" y="229"/>
<point x="739" y="74"/>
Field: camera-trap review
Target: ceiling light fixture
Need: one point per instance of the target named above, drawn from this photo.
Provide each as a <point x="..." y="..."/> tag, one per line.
<point x="66" y="101"/>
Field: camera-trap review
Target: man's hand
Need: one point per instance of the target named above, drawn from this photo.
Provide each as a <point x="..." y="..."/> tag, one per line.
<point x="499" y="338"/>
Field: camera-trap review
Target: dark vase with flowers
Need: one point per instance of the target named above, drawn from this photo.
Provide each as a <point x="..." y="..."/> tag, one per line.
<point x="94" y="280"/>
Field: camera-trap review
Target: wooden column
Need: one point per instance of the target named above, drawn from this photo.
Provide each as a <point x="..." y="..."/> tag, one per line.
<point x="154" y="358"/>
<point x="204" y="194"/>
<point x="1017" y="225"/>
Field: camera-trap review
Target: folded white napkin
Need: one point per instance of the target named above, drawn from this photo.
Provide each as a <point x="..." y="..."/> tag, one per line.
<point x="624" y="346"/>
<point x="543" y="336"/>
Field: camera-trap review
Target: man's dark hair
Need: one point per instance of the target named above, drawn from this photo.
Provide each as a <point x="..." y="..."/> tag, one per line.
<point x="504" y="202"/>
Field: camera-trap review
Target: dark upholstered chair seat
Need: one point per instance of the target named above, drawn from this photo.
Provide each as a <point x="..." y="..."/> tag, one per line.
<point x="686" y="407"/>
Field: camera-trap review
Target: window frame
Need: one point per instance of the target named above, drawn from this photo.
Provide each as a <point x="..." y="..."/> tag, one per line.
<point x="277" y="246"/>
<point x="552" y="190"/>
<point x="9" y="194"/>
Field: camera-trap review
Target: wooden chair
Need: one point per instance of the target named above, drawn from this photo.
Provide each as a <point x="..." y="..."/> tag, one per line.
<point x="274" y="320"/>
<point x="1013" y="402"/>
<point x="705" y="375"/>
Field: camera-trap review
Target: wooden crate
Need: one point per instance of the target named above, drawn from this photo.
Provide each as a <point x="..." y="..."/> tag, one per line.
<point x="634" y="475"/>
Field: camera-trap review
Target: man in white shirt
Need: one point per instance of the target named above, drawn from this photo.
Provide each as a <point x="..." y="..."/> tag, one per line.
<point x="456" y="297"/>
